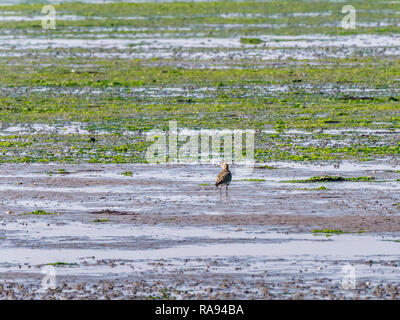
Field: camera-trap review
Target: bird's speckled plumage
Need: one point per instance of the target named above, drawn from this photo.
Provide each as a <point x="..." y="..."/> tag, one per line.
<point x="225" y="177"/>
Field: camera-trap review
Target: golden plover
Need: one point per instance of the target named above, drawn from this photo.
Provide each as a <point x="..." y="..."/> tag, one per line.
<point x="224" y="179"/>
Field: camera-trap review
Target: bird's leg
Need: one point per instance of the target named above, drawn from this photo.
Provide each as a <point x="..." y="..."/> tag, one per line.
<point x="226" y="191"/>
<point x="220" y="193"/>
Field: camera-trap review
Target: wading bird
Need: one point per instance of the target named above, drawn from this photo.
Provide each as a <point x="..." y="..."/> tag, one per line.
<point x="224" y="179"/>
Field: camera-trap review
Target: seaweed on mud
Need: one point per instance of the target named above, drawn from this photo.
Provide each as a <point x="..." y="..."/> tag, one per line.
<point x="329" y="232"/>
<point x="113" y="212"/>
<point x="62" y="264"/>
<point x="100" y="220"/>
<point x="265" y="167"/>
<point x="127" y="173"/>
<point x="42" y="212"/>
<point x="94" y="85"/>
<point x="251" y="41"/>
<point x="318" y="179"/>
<point x="313" y="189"/>
<point x="58" y="171"/>
<point x="335" y="231"/>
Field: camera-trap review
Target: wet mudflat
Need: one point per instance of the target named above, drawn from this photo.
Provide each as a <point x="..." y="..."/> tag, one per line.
<point x="162" y="232"/>
<point x="78" y="103"/>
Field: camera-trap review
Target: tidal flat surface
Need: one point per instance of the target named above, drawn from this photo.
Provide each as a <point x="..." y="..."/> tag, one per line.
<point x="168" y="235"/>
<point x="78" y="104"/>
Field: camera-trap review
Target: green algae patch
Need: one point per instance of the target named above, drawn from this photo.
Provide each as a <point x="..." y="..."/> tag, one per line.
<point x="127" y="173"/>
<point x="251" y="41"/>
<point x="42" y="213"/>
<point x="265" y="167"/>
<point x="59" y="171"/>
<point x="100" y="220"/>
<point x="313" y="189"/>
<point x="253" y="180"/>
<point x="62" y="264"/>
<point x="318" y="179"/>
<point x="330" y="232"/>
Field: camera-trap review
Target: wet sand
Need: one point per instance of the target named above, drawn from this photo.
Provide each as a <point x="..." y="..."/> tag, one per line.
<point x="164" y="233"/>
